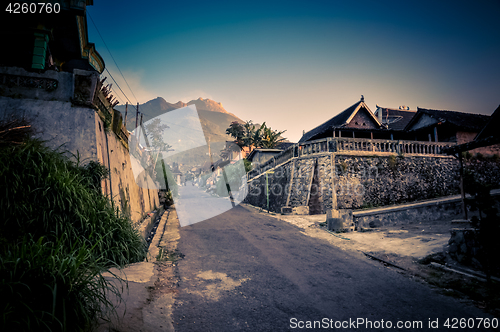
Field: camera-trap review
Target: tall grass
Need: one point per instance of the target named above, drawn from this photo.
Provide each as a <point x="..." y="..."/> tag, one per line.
<point x="48" y="287"/>
<point x="45" y="194"/>
<point x="58" y="232"/>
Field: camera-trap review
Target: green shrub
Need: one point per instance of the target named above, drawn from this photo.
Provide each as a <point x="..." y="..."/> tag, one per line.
<point x="48" y="287"/>
<point x="45" y="194"/>
<point x="58" y="232"/>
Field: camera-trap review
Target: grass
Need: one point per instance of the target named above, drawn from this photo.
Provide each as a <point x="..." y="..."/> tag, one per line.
<point x="45" y="194"/>
<point x="58" y="234"/>
<point x="46" y="287"/>
<point x="169" y="255"/>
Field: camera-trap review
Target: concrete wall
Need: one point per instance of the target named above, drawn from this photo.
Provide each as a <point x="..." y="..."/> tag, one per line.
<point x="121" y="185"/>
<point x="65" y="117"/>
<point x="20" y="89"/>
<point x="57" y="122"/>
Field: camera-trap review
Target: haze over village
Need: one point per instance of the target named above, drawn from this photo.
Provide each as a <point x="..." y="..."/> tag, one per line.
<point x="249" y="166"/>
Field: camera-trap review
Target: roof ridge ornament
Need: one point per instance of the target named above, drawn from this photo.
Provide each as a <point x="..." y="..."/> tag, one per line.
<point x="362" y="98"/>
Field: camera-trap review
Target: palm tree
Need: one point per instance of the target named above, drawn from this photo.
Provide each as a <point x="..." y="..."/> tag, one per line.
<point x="248" y="135"/>
<point x="270" y="138"/>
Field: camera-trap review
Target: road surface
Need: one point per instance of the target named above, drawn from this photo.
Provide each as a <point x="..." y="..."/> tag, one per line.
<point x="244" y="271"/>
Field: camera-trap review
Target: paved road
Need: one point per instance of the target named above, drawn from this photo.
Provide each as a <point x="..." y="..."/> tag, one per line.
<point x="244" y="271"/>
<point x="194" y="204"/>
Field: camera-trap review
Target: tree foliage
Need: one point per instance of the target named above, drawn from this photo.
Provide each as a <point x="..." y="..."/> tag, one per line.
<point x="251" y="135"/>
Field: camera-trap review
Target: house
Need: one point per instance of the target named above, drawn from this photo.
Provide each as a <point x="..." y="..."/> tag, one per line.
<point x="259" y="156"/>
<point x="445" y="126"/>
<point x="486" y="142"/>
<point x="57" y="41"/>
<point x="395" y="120"/>
<point x="357" y="121"/>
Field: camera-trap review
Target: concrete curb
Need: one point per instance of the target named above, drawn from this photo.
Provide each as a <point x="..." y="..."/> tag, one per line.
<point x="154" y="246"/>
<point x="139" y="311"/>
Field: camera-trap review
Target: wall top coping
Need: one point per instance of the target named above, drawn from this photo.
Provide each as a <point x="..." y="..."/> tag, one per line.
<point x="380" y="210"/>
<point x="382" y="154"/>
<point x="435" y="201"/>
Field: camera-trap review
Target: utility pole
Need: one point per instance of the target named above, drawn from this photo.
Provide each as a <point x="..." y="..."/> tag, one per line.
<point x="126" y="111"/>
<point x="209" y="152"/>
<point x="137" y="116"/>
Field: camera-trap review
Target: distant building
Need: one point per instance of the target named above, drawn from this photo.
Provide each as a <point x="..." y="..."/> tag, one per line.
<point x="487" y="142"/>
<point x="445" y="126"/>
<point x="357" y="121"/>
<point x="426" y="125"/>
<point x="395" y="120"/>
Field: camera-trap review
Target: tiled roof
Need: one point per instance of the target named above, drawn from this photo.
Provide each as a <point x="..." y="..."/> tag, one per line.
<point x="491" y="128"/>
<point x="284" y="145"/>
<point x="337" y="121"/>
<point x="396" y="119"/>
<point x="464" y="121"/>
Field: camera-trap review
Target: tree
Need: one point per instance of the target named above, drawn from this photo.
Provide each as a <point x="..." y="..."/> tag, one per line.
<point x="248" y="135"/>
<point x="270" y="138"/>
<point x="237" y="131"/>
<point x="154" y="131"/>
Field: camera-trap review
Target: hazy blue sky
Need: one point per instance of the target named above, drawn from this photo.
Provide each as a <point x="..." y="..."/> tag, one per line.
<point x="295" y="64"/>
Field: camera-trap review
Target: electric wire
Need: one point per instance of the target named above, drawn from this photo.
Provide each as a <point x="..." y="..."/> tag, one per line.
<point x="124" y="94"/>
<point x="95" y="26"/>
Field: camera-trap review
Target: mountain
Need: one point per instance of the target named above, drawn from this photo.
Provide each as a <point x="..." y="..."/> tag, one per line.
<point x="213" y="117"/>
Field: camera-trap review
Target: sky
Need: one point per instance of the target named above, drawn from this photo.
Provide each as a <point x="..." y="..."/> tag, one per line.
<point x="296" y="64"/>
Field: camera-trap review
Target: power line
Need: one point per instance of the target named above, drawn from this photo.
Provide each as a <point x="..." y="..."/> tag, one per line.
<point x="95" y="26"/>
<point x="131" y="104"/>
<point x="119" y="87"/>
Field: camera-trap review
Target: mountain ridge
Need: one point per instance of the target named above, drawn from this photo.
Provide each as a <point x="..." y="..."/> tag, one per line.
<point x="204" y="106"/>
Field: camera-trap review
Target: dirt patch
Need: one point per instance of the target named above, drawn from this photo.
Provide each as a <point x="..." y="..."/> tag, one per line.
<point x="215" y="284"/>
<point x="467" y="289"/>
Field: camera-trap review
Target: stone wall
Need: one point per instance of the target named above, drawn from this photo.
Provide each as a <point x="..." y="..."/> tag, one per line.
<point x="441" y="209"/>
<point x="353" y="181"/>
<point x="356" y="173"/>
<point x="464" y="246"/>
<point x="278" y="185"/>
<point x="368" y="181"/>
<point x="484" y="171"/>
